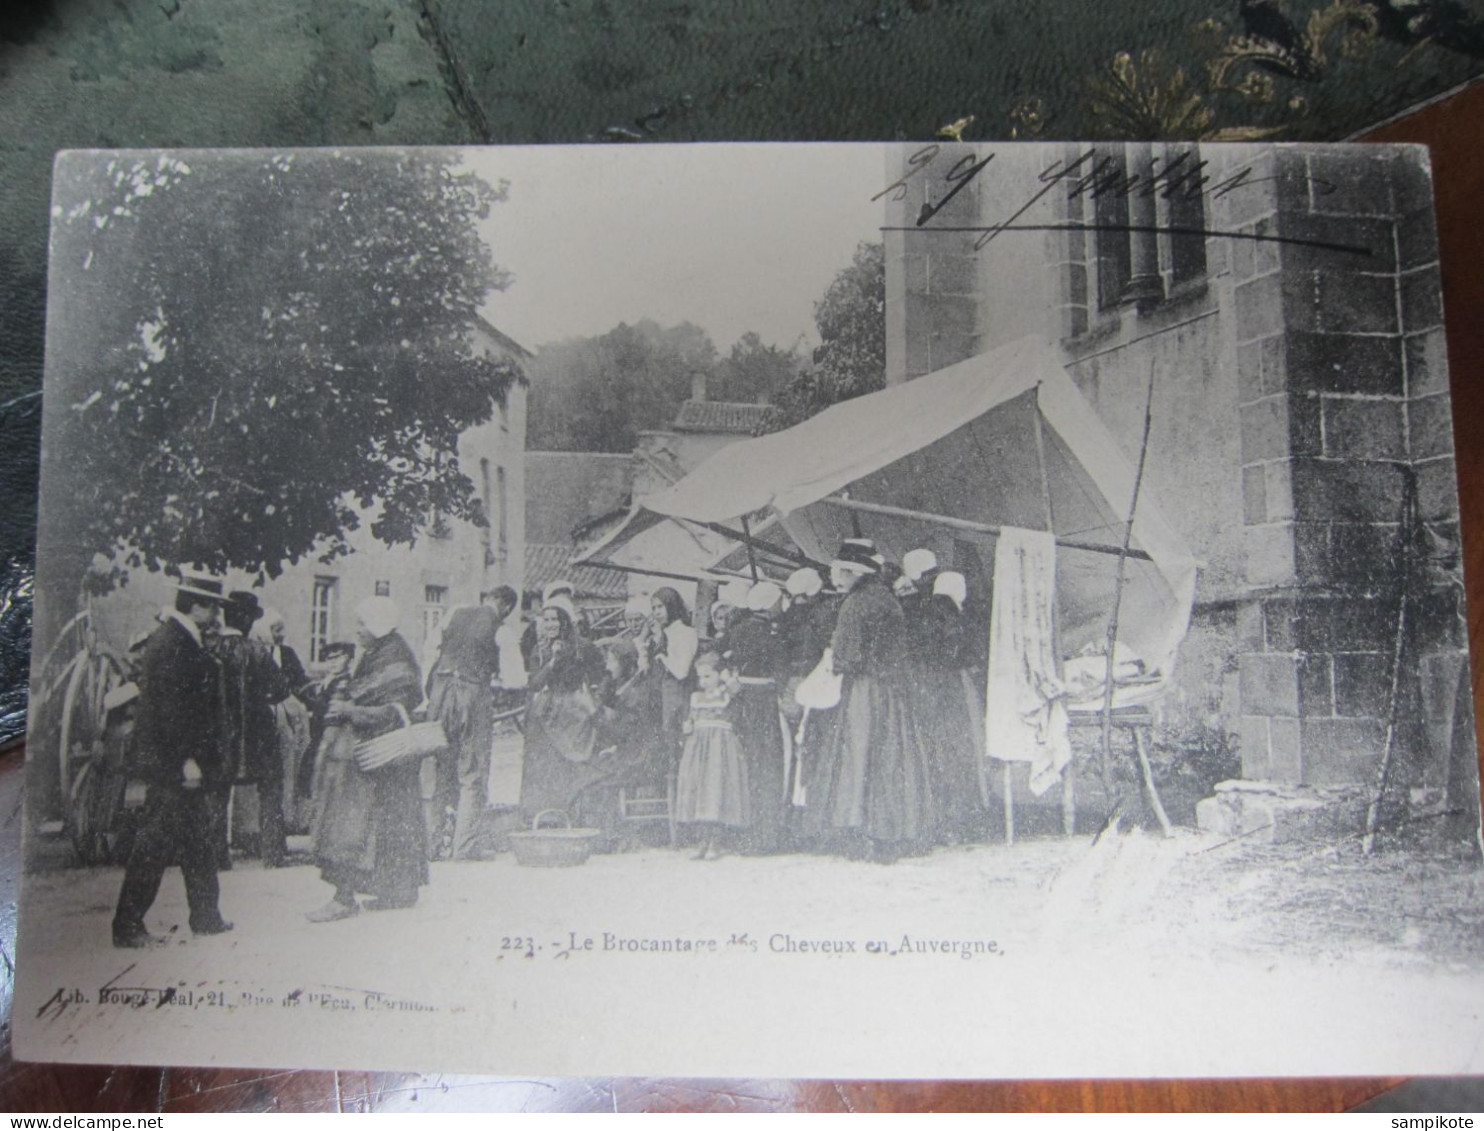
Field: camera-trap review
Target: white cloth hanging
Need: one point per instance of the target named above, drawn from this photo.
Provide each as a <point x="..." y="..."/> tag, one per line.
<point x="1025" y="716"/>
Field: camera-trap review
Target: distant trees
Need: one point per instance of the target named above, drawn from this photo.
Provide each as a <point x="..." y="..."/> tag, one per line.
<point x="851" y="357"/>
<point x="597" y="394"/>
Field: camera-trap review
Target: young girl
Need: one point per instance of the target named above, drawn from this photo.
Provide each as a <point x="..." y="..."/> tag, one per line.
<point x="711" y="786"/>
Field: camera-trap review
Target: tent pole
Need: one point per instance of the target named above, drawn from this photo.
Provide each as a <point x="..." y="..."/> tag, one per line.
<point x="966" y="524"/>
<point x="1406" y="538"/>
<point x="645" y="572"/>
<point x="1148" y="772"/>
<point x="1112" y="637"/>
<point x="751" y="552"/>
<point x="1068" y="787"/>
<point x="767" y="547"/>
<point x="1009" y="802"/>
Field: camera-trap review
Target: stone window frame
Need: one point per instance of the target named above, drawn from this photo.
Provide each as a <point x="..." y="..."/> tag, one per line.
<point x="323" y="598"/>
<point x="1102" y="318"/>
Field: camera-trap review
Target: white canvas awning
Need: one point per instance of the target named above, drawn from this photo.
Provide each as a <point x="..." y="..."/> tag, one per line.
<point x="1002" y="439"/>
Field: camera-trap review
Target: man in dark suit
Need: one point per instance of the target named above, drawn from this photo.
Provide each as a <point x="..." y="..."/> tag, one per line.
<point x="253" y="684"/>
<point x="180" y="755"/>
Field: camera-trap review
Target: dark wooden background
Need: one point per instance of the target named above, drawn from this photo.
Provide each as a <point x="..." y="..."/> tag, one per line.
<point x="1453" y="128"/>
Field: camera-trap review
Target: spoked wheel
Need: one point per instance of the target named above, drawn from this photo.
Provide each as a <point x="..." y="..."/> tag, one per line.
<point x="95" y="814"/>
<point x="94" y="674"/>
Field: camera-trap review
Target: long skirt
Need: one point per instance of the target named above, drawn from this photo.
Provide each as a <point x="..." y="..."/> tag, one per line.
<point x="561" y="756"/>
<point x="291" y="721"/>
<point x="760" y="732"/>
<point x="711" y="784"/>
<point x="369" y="832"/>
<point x="873" y="776"/>
<point x="950" y="723"/>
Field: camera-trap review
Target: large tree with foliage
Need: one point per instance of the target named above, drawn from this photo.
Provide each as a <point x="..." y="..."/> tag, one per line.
<point x="597" y="394"/>
<point x="249" y="350"/>
<point x="851" y="357"/>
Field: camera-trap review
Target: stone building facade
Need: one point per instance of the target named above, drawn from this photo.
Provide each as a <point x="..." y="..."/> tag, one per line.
<point x="1298" y="397"/>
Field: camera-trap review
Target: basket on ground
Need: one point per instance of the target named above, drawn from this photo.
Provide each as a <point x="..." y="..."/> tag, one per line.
<point x="560" y="847"/>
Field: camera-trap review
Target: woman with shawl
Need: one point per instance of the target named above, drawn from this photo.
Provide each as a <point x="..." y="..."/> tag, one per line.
<point x="563" y="714"/>
<point x="758" y="663"/>
<point x="871" y="792"/>
<point x="949" y="708"/>
<point x="369" y="834"/>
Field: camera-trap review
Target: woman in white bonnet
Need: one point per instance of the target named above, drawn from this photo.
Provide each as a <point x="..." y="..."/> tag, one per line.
<point x="869" y="792"/>
<point x="953" y="586"/>
<point x="950" y="710"/>
<point x="369" y="832"/>
<point x="290" y="718"/>
<point x="757" y="660"/>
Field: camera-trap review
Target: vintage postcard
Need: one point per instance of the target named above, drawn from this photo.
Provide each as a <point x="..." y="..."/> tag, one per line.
<point x="914" y="610"/>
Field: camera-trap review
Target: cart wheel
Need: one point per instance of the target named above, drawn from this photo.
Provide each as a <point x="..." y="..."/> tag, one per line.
<point x="80" y="819"/>
<point x="94" y="675"/>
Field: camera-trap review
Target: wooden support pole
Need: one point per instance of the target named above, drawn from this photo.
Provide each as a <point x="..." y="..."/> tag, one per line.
<point x="1111" y="640"/>
<point x="1406" y="534"/>
<point x="767" y="547"/>
<point x="1068" y="789"/>
<point x="1154" y="801"/>
<point x="645" y="572"/>
<point x="972" y="527"/>
<point x="1009" y="804"/>
<point x="751" y="550"/>
<point x="1069" y="799"/>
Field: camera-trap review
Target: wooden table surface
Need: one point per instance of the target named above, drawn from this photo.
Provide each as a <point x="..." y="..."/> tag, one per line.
<point x="1452" y="127"/>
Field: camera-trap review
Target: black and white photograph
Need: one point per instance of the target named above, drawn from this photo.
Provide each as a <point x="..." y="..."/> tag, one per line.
<point x="911" y="610"/>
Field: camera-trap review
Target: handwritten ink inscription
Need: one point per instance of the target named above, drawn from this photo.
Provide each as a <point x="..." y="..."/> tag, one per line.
<point x="1092" y="176"/>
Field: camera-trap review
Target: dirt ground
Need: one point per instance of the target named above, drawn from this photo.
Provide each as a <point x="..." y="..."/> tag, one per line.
<point x="1130" y="927"/>
<point x="1419" y="900"/>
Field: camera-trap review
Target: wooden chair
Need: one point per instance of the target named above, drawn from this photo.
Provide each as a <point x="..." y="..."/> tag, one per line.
<point x="641" y="803"/>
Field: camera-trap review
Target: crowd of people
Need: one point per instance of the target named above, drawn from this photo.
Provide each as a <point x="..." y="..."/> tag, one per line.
<point x="218" y="702"/>
<point x="840" y="715"/>
<point x="238" y="745"/>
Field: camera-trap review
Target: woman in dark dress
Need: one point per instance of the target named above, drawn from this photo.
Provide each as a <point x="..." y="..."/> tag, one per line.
<point x="563" y="715"/>
<point x="318" y="694"/>
<point x="758" y="662"/>
<point x="369" y="834"/>
<point x="805" y="629"/>
<point x="871" y="793"/>
<point x="949" y="708"/>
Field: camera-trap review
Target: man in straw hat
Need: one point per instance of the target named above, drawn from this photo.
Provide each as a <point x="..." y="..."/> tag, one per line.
<point x="179" y="753"/>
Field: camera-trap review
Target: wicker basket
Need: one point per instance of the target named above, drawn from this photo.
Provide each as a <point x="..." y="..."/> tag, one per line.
<point x="553" y="847"/>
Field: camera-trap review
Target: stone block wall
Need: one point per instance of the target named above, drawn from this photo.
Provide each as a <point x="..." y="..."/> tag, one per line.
<point x="1343" y="391"/>
<point x="932" y="280"/>
<point x="1313" y="392"/>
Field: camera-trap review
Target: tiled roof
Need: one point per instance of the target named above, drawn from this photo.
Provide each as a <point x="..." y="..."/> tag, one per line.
<point x="726" y="417"/>
<point x="550" y="561"/>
